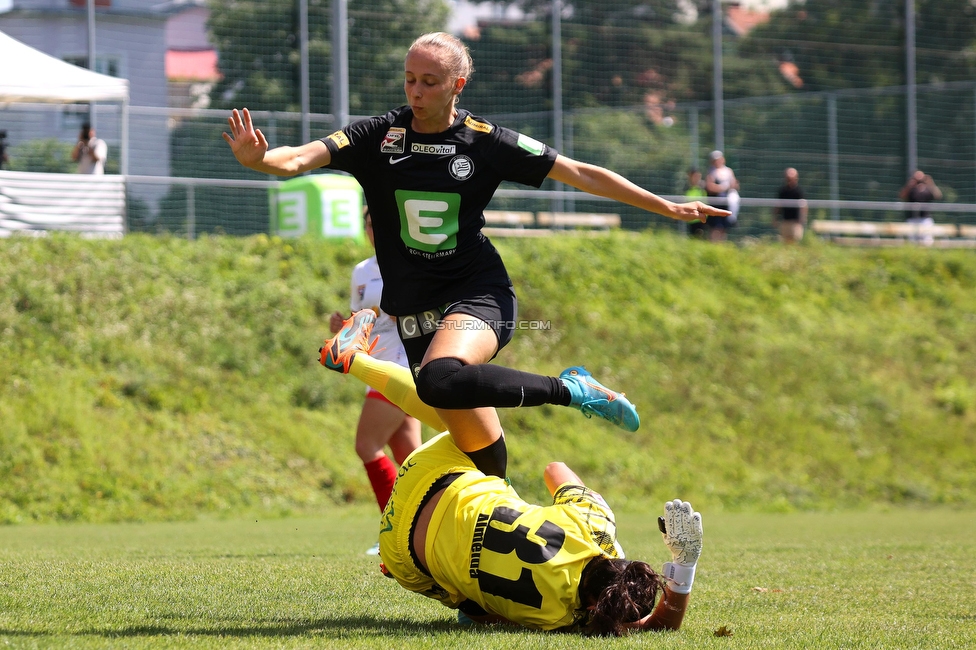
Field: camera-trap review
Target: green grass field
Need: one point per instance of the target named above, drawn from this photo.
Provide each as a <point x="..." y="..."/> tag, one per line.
<point x="893" y="579"/>
<point x="817" y="404"/>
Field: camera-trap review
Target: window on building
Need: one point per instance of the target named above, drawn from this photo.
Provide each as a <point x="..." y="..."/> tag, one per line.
<point x="107" y="65"/>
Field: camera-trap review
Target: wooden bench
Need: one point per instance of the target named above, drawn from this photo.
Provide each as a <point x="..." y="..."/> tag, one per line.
<point x="564" y="220"/>
<point x="509" y="218"/>
<point x="895" y="233"/>
<point x="503" y="223"/>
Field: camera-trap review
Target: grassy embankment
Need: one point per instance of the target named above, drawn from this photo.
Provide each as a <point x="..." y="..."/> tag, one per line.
<point x="154" y="378"/>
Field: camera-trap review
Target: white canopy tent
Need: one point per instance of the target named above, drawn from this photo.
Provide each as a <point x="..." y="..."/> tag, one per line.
<point x="29" y="75"/>
<point x="33" y="203"/>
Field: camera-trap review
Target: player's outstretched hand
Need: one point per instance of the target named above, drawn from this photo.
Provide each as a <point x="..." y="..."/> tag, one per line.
<point x="247" y="143"/>
<point x="696" y="211"/>
<point x="681" y="528"/>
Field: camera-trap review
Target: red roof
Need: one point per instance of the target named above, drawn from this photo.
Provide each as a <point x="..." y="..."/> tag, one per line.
<point x="199" y="65"/>
<point x="742" y="20"/>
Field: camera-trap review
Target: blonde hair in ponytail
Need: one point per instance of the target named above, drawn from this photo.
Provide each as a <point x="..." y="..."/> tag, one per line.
<point x="454" y="53"/>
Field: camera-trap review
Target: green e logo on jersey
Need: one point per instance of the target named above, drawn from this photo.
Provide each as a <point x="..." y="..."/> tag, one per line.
<point x="429" y="220"/>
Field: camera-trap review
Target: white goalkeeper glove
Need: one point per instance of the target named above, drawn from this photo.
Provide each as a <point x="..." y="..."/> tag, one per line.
<point x="681" y="528"/>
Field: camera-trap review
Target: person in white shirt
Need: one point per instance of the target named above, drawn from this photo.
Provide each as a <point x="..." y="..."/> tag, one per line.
<point x="381" y="423"/>
<point x="721" y="182"/>
<point x="89" y="152"/>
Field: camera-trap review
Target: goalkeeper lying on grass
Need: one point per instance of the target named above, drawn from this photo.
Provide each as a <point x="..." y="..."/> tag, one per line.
<point x="452" y="533"/>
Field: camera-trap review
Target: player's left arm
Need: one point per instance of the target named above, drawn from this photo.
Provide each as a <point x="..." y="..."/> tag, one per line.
<point x="603" y="182"/>
<point x="558" y="474"/>
<point x="667" y="615"/>
<point x="681" y="528"/>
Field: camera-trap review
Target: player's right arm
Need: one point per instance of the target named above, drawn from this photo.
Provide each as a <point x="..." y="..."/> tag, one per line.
<point x="599" y="181"/>
<point x="250" y="147"/>
<point x="470" y="611"/>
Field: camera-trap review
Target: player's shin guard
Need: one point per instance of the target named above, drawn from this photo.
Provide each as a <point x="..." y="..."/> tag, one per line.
<point x="396" y="384"/>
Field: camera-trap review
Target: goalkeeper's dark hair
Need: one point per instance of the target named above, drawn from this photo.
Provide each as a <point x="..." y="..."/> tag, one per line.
<point x="615" y="592"/>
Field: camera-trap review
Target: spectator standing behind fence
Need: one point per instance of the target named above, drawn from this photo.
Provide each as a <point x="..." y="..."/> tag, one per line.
<point x="790" y="220"/>
<point x="89" y="152"/>
<point x="4" y="158"/>
<point x="920" y="188"/>
<point x="695" y="191"/>
<point x="721" y="182"/>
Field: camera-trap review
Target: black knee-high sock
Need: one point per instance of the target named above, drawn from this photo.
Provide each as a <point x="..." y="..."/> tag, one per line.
<point x="493" y="459"/>
<point x="448" y="383"/>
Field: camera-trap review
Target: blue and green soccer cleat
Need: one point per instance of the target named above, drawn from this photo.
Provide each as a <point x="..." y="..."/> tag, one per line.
<point x="593" y="398"/>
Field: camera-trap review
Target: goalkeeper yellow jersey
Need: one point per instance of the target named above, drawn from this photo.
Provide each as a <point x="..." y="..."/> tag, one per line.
<point x="486" y="544"/>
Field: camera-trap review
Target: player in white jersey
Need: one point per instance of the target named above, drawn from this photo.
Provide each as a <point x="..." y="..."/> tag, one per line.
<point x="381" y="423"/>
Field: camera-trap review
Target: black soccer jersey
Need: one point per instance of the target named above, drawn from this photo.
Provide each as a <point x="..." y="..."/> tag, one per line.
<point x="427" y="193"/>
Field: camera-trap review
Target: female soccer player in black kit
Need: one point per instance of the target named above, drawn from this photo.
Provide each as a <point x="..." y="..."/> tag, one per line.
<point x="428" y="170"/>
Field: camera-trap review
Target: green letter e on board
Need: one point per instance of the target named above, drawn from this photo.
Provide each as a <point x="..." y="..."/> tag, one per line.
<point x="341" y="212"/>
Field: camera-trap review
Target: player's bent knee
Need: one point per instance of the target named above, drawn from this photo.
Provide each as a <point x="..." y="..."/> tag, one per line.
<point x="435" y="383"/>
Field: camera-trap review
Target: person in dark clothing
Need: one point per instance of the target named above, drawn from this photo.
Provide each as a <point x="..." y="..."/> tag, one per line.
<point x="428" y="170"/>
<point x="920" y="188"/>
<point x="4" y="158"/>
<point x="790" y="220"/>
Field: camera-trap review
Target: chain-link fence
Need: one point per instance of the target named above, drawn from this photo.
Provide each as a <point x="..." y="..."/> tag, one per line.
<point x="825" y="87"/>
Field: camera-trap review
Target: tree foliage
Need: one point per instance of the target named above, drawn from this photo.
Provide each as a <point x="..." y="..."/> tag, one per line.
<point x="861" y="43"/>
<point x="260" y="57"/>
<point x="619" y="53"/>
<point x="48" y="155"/>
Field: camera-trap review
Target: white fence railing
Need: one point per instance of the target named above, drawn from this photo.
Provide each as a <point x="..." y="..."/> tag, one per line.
<point x="32" y="203"/>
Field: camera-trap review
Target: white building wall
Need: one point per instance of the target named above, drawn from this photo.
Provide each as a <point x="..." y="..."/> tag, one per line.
<point x="129" y="35"/>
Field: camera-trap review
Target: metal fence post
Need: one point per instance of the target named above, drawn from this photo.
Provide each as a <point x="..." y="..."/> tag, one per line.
<point x="191" y="215"/>
<point x="911" y="100"/>
<point x="570" y="152"/>
<point x="92" y="55"/>
<point x="717" y="90"/>
<point x="272" y="135"/>
<point x="340" y="62"/>
<point x="557" y="89"/>
<point x="833" y="154"/>
<point x="304" y="68"/>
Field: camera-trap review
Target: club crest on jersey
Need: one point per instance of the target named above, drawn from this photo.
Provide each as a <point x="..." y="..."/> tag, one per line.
<point x="461" y="167"/>
<point x="393" y="140"/>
